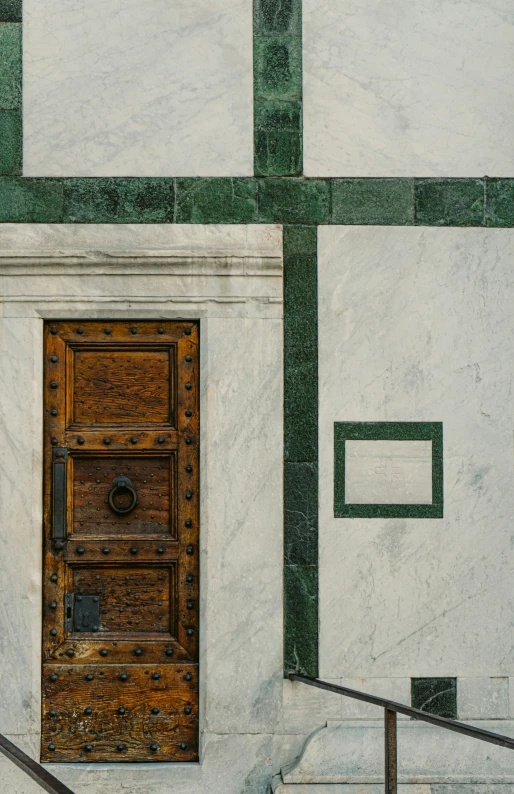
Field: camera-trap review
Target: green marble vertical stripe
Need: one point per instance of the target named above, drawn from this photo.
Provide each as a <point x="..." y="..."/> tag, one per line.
<point x="10" y="89"/>
<point x="300" y="450"/>
<point x="277" y="87"/>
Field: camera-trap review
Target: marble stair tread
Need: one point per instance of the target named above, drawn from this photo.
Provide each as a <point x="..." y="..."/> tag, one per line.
<point x="353" y="753"/>
<point x="279" y="787"/>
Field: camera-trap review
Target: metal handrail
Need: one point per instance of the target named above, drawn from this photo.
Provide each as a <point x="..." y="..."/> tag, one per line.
<point x="391" y="709"/>
<point x="34" y="770"/>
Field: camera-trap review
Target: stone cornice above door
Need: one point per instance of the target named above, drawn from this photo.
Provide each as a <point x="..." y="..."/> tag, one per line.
<point x="49" y="270"/>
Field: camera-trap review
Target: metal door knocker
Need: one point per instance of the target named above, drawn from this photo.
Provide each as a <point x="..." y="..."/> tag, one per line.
<point x="121" y="485"/>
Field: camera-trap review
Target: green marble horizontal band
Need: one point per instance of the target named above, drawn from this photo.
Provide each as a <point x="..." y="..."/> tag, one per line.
<point x="10" y="10"/>
<point x="294" y="201"/>
<point x="391" y="431"/>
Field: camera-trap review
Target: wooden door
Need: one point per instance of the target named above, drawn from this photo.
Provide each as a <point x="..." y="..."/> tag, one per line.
<point x="120" y="570"/>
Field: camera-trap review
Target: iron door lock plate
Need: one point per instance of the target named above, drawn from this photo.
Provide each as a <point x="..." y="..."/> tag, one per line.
<point x="82" y="613"/>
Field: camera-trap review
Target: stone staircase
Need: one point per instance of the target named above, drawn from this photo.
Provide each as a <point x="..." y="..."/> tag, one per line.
<point x="348" y="758"/>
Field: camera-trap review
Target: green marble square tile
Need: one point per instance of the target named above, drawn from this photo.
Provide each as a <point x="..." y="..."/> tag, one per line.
<point x="300" y="301"/>
<point x="277" y="68"/>
<point x="301" y="514"/>
<point x="300" y="240"/>
<point x="11" y="142"/>
<point x="301" y="619"/>
<point x="435" y="696"/>
<point x="30" y="200"/>
<point x="387" y="202"/>
<point x="119" y="200"/>
<point x="10" y="66"/>
<point x="283" y="17"/>
<point x="449" y="202"/>
<point x="10" y="10"/>
<point x="278" y="138"/>
<point x="216" y="200"/>
<point x="294" y="201"/>
<point x="301" y="404"/>
<point x="499" y="202"/>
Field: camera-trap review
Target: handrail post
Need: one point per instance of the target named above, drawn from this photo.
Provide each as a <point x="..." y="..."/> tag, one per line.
<point x="390" y="739"/>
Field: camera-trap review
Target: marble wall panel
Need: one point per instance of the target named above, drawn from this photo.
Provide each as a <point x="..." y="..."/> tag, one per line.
<point x="416" y="325"/>
<point x="123" y="88"/>
<point x="408" y="88"/>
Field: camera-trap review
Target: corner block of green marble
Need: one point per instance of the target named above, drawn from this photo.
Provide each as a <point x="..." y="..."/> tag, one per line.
<point x="283" y="17"/>
<point x="11" y="143"/>
<point x="30" y="200"/>
<point x="449" y="202"/>
<point x="278" y="138"/>
<point x="216" y="200"/>
<point x="376" y="201"/>
<point x="301" y="240"/>
<point x="300" y="300"/>
<point x="10" y="10"/>
<point x="301" y="514"/>
<point x="301" y="619"/>
<point x="499" y="202"/>
<point x="435" y="696"/>
<point x="294" y="201"/>
<point x="10" y="65"/>
<point x="119" y="200"/>
<point x="300" y="404"/>
<point x="278" y="68"/>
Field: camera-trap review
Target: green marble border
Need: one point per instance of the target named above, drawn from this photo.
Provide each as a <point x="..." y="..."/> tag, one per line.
<point x="392" y="431"/>
<point x="300" y="449"/>
<point x="286" y="201"/>
<point x="297" y="203"/>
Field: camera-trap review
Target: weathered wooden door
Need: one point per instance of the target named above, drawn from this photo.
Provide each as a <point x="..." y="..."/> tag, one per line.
<point x="120" y="594"/>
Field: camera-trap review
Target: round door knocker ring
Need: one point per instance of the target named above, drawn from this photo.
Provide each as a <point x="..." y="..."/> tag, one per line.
<point x="121" y="485"/>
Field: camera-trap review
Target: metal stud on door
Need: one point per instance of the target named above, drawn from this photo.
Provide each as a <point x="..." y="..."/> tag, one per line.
<point x="120" y="619"/>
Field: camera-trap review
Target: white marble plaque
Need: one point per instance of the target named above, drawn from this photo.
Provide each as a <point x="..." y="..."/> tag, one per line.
<point x="125" y="88"/>
<point x="388" y="472"/>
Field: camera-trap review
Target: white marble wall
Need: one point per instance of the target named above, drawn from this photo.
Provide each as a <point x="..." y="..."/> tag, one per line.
<point x="126" y="88"/>
<point x="241" y="634"/>
<point x="408" y="88"/>
<point x="416" y="324"/>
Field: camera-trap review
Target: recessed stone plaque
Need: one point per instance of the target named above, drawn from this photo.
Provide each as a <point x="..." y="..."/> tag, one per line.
<point x="388" y="469"/>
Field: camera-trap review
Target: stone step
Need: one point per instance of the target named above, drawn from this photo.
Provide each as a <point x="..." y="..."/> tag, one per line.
<point x="279" y="787"/>
<point x="346" y="754"/>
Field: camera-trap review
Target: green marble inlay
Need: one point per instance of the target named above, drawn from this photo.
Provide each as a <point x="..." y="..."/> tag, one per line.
<point x="277" y="68"/>
<point x="301" y="404"/>
<point x="10" y="10"/>
<point x="386" y="202"/>
<point x="278" y="138"/>
<point x="301" y="240"/>
<point x="499" y="208"/>
<point x="294" y="201"/>
<point x="10" y="142"/>
<point x="449" y="202"/>
<point x="119" y="200"/>
<point x="10" y="66"/>
<point x="435" y="696"/>
<point x="301" y="626"/>
<point x="30" y="200"/>
<point x="271" y="17"/>
<point x="392" y="431"/>
<point x="300" y="514"/>
<point x="300" y="301"/>
<point x="216" y="200"/>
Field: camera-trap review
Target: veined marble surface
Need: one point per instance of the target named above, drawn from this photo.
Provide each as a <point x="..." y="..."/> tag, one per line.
<point x="137" y="89"/>
<point x="404" y="88"/>
<point x="416" y="324"/>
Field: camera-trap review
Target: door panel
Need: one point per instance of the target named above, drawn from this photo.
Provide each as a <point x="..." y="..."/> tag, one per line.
<point x="120" y="611"/>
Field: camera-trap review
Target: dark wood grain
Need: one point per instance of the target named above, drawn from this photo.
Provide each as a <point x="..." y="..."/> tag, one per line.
<point x="145" y="403"/>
